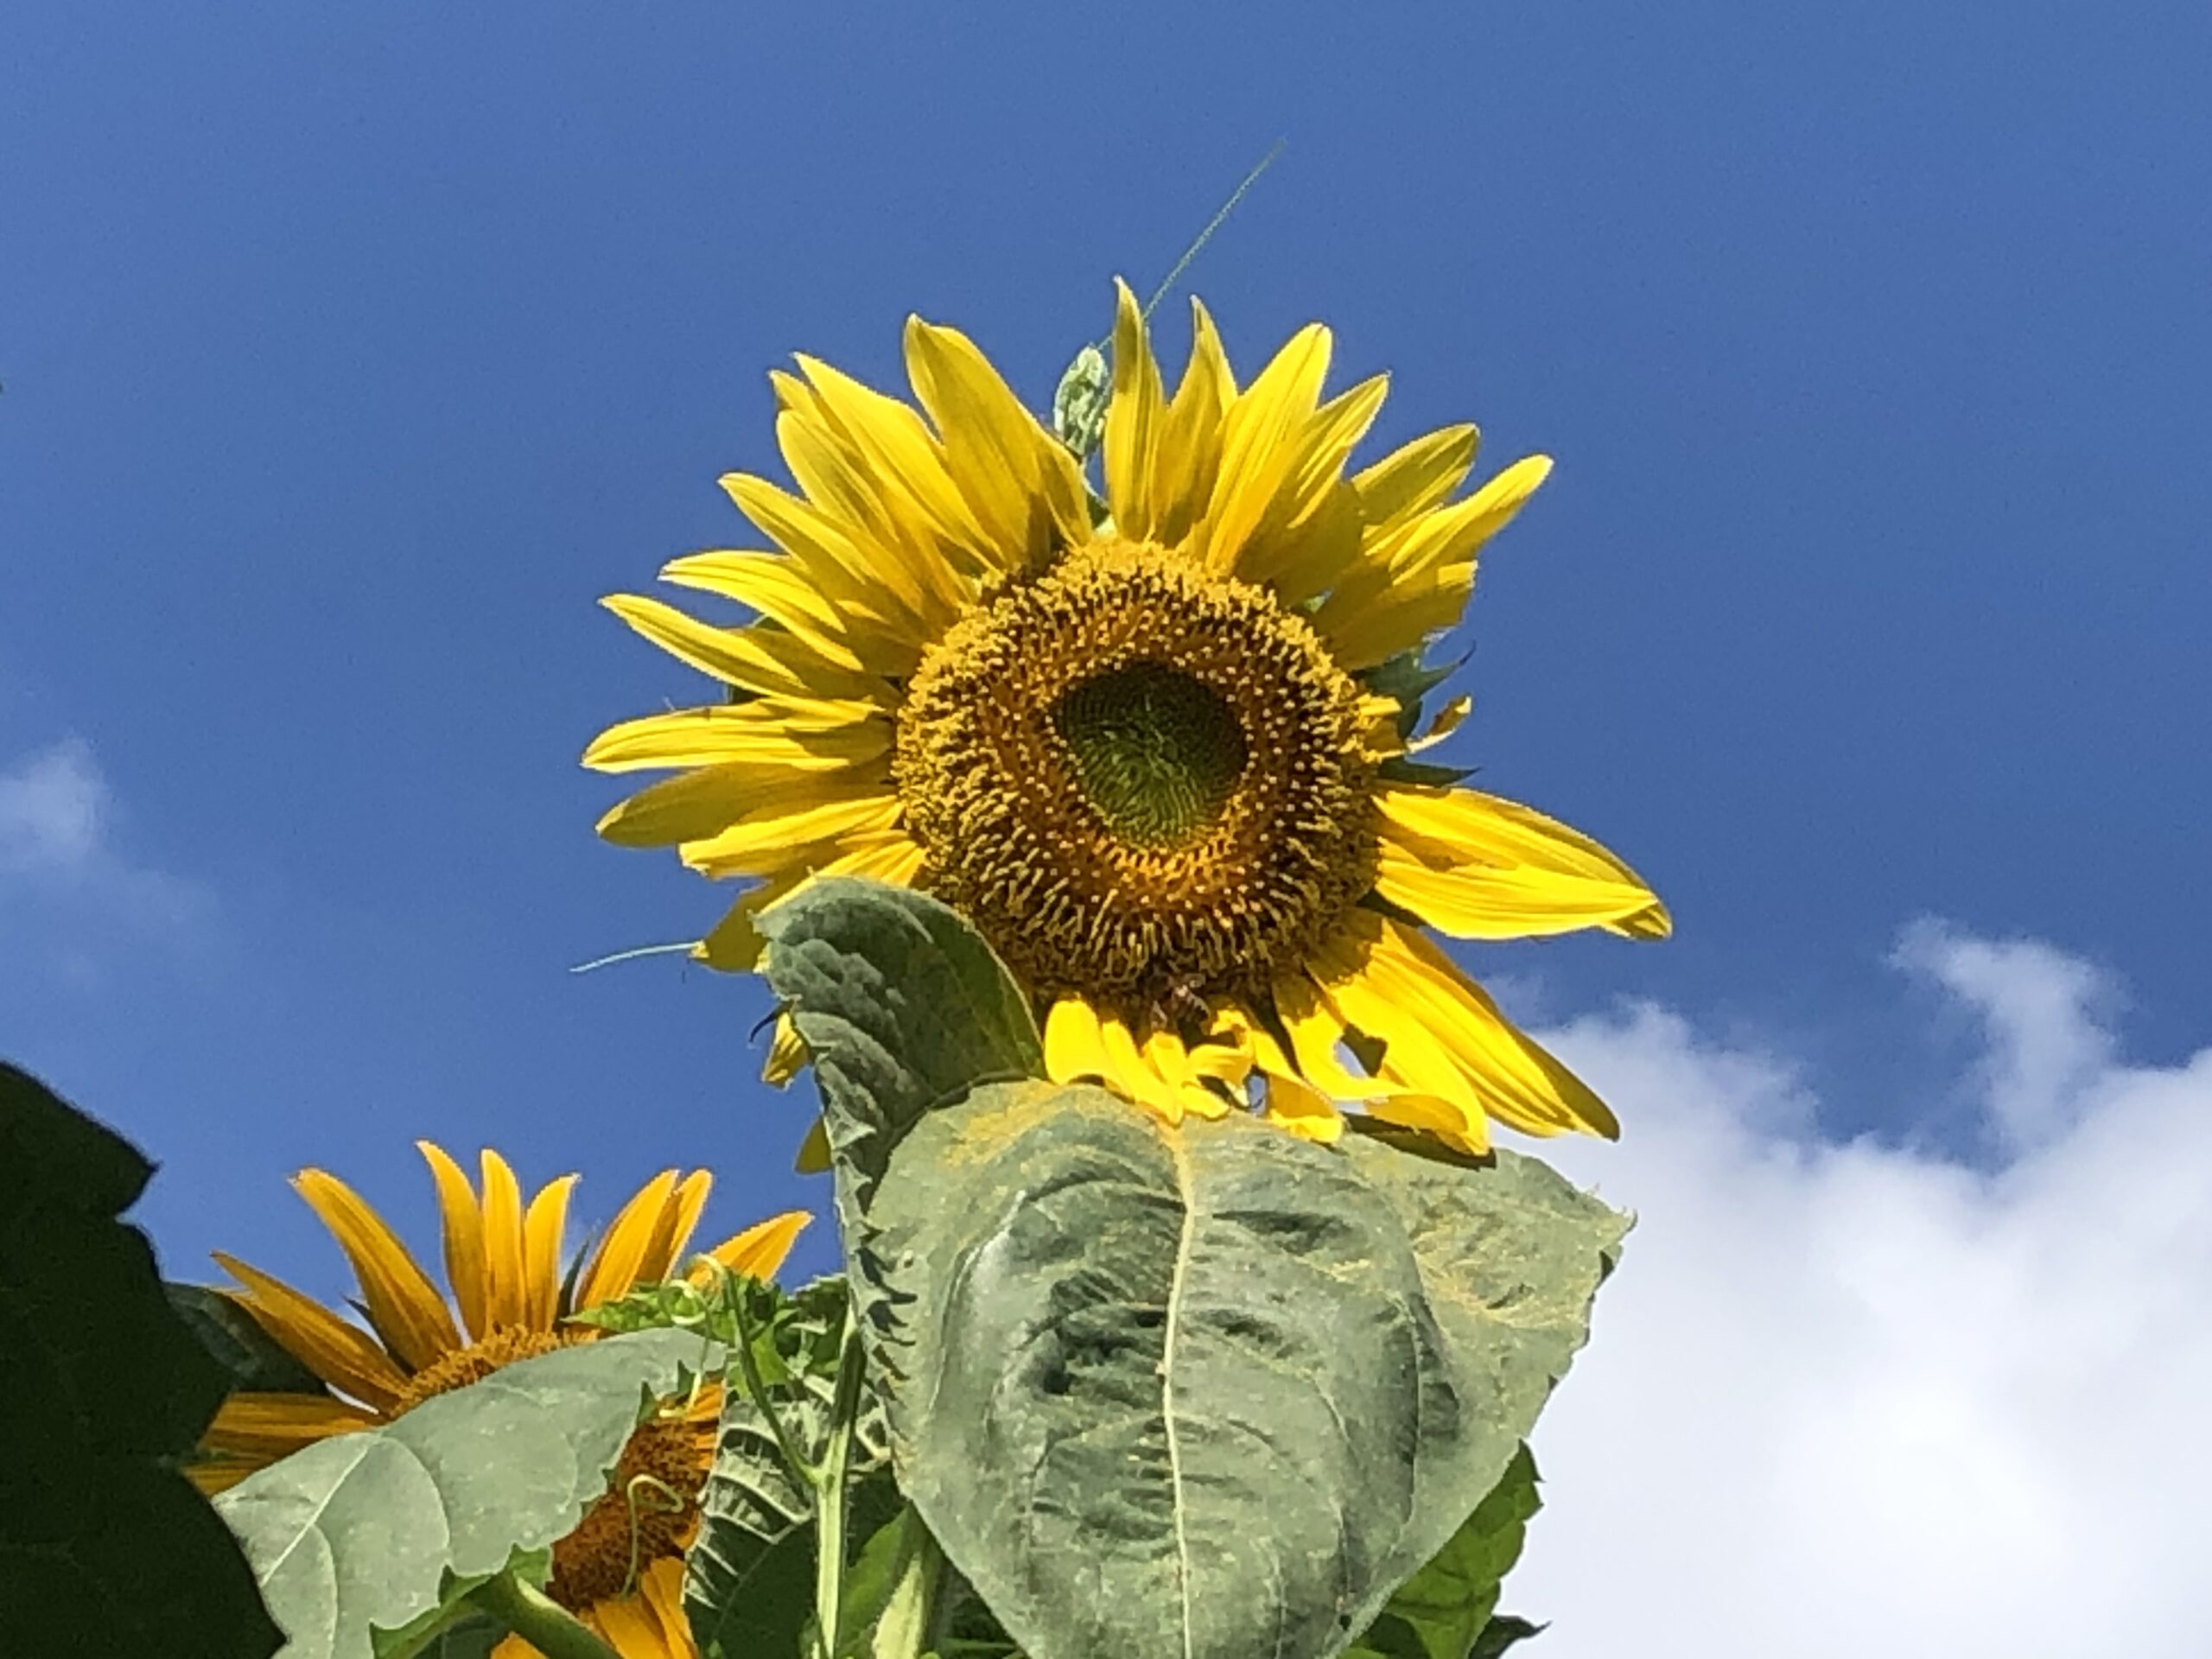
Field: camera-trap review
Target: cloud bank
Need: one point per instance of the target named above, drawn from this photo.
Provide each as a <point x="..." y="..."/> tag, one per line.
<point x="1847" y="1400"/>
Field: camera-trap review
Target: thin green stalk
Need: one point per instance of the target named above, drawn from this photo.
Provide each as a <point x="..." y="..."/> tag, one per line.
<point x="829" y="1490"/>
<point x="529" y="1613"/>
<point x="801" y="1467"/>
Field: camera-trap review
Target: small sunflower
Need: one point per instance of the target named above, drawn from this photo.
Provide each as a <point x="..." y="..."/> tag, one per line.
<point x="621" y="1570"/>
<point x="1144" y="743"/>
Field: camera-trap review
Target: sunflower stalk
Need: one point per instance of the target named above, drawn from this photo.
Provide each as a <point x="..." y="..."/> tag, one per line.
<point x="830" y="1491"/>
<point x="529" y="1613"/>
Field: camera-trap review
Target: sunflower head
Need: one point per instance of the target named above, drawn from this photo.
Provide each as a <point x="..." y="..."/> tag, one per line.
<point x="1141" y="741"/>
<point x="620" y="1569"/>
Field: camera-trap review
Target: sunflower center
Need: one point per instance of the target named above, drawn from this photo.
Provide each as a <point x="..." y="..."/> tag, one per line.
<point x="650" y="1508"/>
<point x="1129" y="772"/>
<point x="1155" y="752"/>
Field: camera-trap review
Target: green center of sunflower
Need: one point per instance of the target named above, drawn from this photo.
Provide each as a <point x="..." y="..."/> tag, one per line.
<point x="1128" y="772"/>
<point x="1154" y="752"/>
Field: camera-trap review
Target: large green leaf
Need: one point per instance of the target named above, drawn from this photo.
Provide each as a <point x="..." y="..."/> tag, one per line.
<point x="748" y="1586"/>
<point x="105" y="1548"/>
<point x="1214" y="1391"/>
<point x="363" y="1530"/>
<point x="1442" y="1611"/>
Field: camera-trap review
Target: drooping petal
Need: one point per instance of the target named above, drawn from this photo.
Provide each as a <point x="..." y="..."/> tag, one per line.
<point x="770" y="735"/>
<point x="735" y="945"/>
<point x="1305" y="1111"/>
<point x="341" y="1353"/>
<point x="1439" y="1028"/>
<point x="402" y="1303"/>
<point x="765" y="841"/>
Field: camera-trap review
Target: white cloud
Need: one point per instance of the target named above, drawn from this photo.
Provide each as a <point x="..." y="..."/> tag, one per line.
<point x="52" y="804"/>
<point x="60" y="854"/>
<point x="1847" y="1399"/>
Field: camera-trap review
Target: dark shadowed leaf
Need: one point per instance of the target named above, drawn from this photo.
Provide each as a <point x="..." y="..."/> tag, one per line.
<point x="105" y="1548"/>
<point x="372" y="1529"/>
<point x="252" y="1359"/>
<point x="748" y="1586"/>
<point x="1158" y="1391"/>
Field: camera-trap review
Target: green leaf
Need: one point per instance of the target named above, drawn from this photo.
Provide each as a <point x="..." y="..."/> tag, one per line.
<point x="1155" y="1391"/>
<point x="1403" y="676"/>
<point x="903" y="1007"/>
<point x="1501" y="1633"/>
<point x="105" y="1548"/>
<point x="1441" y="1611"/>
<point x="252" y="1359"/>
<point x="1398" y="769"/>
<point x="748" y="1586"/>
<point x="362" y="1530"/>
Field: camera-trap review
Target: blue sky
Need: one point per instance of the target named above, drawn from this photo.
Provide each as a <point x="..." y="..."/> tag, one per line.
<point x="348" y="360"/>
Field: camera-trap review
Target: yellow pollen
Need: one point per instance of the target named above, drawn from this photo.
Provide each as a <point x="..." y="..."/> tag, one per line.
<point x="1134" y="777"/>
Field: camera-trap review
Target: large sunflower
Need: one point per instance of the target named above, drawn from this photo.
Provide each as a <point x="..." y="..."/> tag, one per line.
<point x="621" y="1570"/>
<point x="1144" y="743"/>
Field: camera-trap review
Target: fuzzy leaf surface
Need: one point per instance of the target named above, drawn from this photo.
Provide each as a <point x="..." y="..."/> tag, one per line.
<point x="1212" y="1392"/>
<point x="364" y="1531"/>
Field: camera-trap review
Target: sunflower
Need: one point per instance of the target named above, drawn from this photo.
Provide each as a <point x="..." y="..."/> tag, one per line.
<point x="621" y="1570"/>
<point x="1147" y="744"/>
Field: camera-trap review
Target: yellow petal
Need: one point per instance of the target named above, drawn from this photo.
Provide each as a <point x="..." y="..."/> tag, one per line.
<point x="1490" y="830"/>
<point x="673" y="1230"/>
<point x="1256" y="453"/>
<point x="787" y="1054"/>
<point x="1186" y="459"/>
<point x="811" y="537"/>
<point x="1073" y="1048"/>
<point x="698" y="806"/>
<point x="1414" y="479"/>
<point x="1018" y="480"/>
<point x="814" y="1157"/>
<point x="765" y="841"/>
<point x="542" y="1224"/>
<point x="402" y="1303"/>
<point x="507" y="1291"/>
<point x="903" y="458"/>
<point x="1296" y="542"/>
<point x="754" y="658"/>
<point x="341" y="1353"/>
<point x="613" y="1270"/>
<point x="266" y="1426"/>
<point x="1395" y="985"/>
<point x="760" y="1251"/>
<point x="1134" y="419"/>
<point x="839" y="481"/>
<point x="735" y="945"/>
<point x="771" y="732"/>
<point x="779" y="588"/>
<point x="464" y="1236"/>
<point x="1481" y="901"/>
<point x="1296" y="1105"/>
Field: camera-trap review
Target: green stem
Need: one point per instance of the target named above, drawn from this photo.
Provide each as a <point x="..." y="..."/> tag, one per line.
<point x="529" y="1613"/>
<point x="802" y="1469"/>
<point x="829" y="1492"/>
